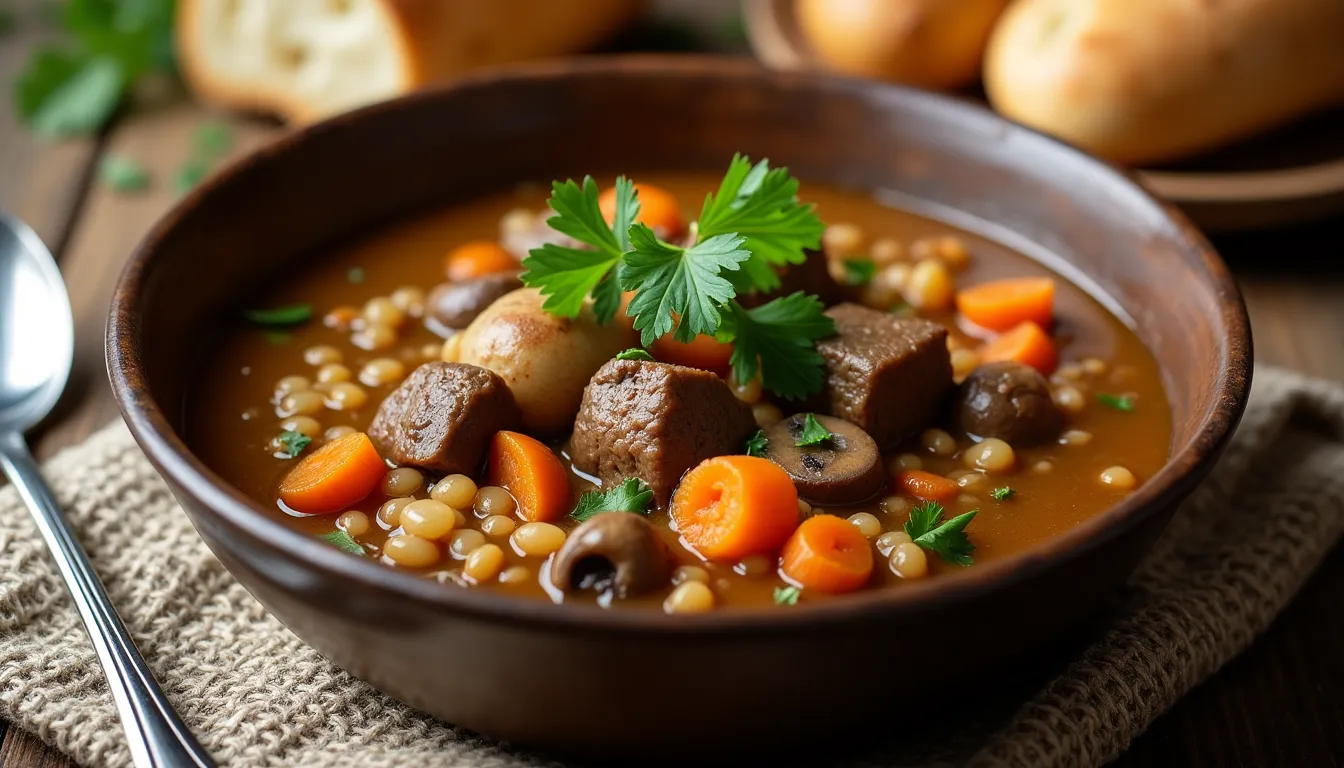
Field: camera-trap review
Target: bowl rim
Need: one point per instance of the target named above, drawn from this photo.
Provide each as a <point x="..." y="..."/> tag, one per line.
<point x="241" y="517"/>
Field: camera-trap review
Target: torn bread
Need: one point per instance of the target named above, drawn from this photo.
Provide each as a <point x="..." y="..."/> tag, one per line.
<point x="307" y="59"/>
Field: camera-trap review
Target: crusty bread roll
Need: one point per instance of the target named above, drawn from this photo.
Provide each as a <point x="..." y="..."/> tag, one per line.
<point x="306" y="59"/>
<point x="1147" y="81"/>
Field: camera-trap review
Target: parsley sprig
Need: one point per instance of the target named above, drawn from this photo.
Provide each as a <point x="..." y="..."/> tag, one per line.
<point x="758" y="444"/>
<point x="947" y="539"/>
<point x="752" y="225"/>
<point x="813" y="433"/>
<point x="632" y="495"/>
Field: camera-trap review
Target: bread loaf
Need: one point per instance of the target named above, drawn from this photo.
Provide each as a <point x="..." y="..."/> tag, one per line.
<point x="306" y="59"/>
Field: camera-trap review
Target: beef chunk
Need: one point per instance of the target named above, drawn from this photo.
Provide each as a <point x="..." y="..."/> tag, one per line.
<point x="1010" y="401"/>
<point x="654" y="421"/>
<point x="811" y="276"/>
<point x="442" y="417"/>
<point x="887" y="374"/>
<point x="454" y="305"/>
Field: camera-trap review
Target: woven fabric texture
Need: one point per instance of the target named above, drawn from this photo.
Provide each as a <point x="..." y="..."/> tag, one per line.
<point x="255" y="695"/>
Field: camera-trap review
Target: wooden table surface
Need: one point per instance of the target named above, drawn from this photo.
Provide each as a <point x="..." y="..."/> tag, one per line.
<point x="1281" y="703"/>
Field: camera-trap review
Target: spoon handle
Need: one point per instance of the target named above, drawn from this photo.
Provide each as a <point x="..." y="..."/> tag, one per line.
<point x="157" y="737"/>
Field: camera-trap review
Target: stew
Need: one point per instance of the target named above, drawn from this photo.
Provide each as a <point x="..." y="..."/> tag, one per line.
<point x="769" y="399"/>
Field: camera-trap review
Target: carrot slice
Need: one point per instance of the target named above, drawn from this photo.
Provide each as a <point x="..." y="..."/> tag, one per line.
<point x="477" y="259"/>
<point x="657" y="208"/>
<point x="729" y="507"/>
<point x="828" y="554"/>
<point x="1003" y="304"/>
<point x="532" y="473"/>
<point x="1026" y="344"/>
<point x="334" y="476"/>
<point x="927" y="486"/>
<point x="702" y="351"/>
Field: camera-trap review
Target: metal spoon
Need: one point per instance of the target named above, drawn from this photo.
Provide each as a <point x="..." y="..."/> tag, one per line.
<point x="36" y="348"/>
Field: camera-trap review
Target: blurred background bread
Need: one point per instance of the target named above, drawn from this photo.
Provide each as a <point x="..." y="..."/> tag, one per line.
<point x="308" y="59"/>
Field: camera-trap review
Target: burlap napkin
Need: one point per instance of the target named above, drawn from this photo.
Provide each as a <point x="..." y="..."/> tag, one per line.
<point x="256" y="695"/>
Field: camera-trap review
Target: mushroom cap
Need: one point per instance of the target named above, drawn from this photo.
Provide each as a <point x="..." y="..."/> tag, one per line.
<point x="619" y="551"/>
<point x="846" y="469"/>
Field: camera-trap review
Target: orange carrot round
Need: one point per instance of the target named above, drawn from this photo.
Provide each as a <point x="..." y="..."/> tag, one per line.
<point x="828" y="554"/>
<point x="532" y="473"/>
<point x="477" y="259"/>
<point x="927" y="486"/>
<point x="657" y="209"/>
<point x="729" y="507"/>
<point x="702" y="351"/>
<point x="1002" y="304"/>
<point x="1026" y="344"/>
<point x="334" y="476"/>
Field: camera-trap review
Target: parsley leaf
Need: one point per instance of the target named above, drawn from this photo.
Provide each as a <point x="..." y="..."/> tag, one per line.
<point x="122" y="174"/>
<point x="71" y="97"/>
<point x="778" y="338"/>
<point x="947" y="539"/>
<point x="189" y="175"/>
<point x="757" y="444"/>
<point x="761" y="204"/>
<point x="342" y="541"/>
<point x="280" y="316"/>
<point x="787" y="595"/>
<point x="212" y="140"/>
<point x="293" y="443"/>
<point x="634" y="353"/>
<point x="1002" y="494"/>
<point x="1122" y="403"/>
<point x="685" y="282"/>
<point x="632" y="495"/>
<point x="566" y="276"/>
<point x="859" y="271"/>
<point x="813" y="433"/>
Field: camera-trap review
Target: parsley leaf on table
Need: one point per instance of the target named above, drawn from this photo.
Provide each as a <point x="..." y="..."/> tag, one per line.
<point x="947" y="539"/>
<point x="632" y="495"/>
<point x="1002" y="494"/>
<point x="778" y="338"/>
<point x="122" y="174"/>
<point x="1122" y="403"/>
<point x="757" y="444"/>
<point x="686" y="282"/>
<point x="293" y="443"/>
<point x="565" y="275"/>
<point x="634" y="353"/>
<point x="813" y="433"/>
<point x="787" y="595"/>
<point x="761" y="204"/>
<point x="343" y="541"/>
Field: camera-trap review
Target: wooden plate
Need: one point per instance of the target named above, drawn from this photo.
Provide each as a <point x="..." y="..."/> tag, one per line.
<point x="1291" y="175"/>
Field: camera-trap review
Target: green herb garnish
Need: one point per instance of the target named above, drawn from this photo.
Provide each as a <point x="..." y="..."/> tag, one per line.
<point x="1122" y="403"/>
<point x="632" y="495"/>
<point x="212" y="140"/>
<point x="947" y="539"/>
<point x="189" y="175"/>
<point x="280" y="316"/>
<point x="859" y="271"/>
<point x="787" y="595"/>
<point x="73" y="91"/>
<point x="757" y="444"/>
<point x="752" y="225"/>
<point x="277" y="338"/>
<point x="813" y="433"/>
<point x="354" y="275"/>
<point x="293" y="443"/>
<point x="634" y="353"/>
<point x="343" y="541"/>
<point x="1002" y="494"/>
<point x="122" y="174"/>
<point x="7" y="22"/>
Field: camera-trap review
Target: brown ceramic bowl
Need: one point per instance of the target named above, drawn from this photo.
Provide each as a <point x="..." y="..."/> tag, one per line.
<point x="582" y="680"/>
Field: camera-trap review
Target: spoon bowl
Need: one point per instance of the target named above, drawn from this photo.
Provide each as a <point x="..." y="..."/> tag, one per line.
<point x="36" y="330"/>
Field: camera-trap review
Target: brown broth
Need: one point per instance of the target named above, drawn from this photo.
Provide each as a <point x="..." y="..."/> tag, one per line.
<point x="231" y="419"/>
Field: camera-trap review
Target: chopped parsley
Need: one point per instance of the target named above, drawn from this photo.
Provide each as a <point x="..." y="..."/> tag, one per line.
<point x="293" y="443"/>
<point x="122" y="174"/>
<point x="787" y="595"/>
<point x="1002" y="494"/>
<point x="342" y="541"/>
<point x="189" y="175"/>
<point x="859" y="271"/>
<point x="1122" y="403"/>
<point x="757" y="444"/>
<point x="813" y="433"/>
<point x="212" y="140"/>
<point x="634" y="353"/>
<point x="754" y="224"/>
<point x="280" y="316"/>
<point x="632" y="495"/>
<point x="355" y="275"/>
<point x="947" y="539"/>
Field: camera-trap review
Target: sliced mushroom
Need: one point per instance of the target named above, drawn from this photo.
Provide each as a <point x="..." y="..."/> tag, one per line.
<point x="452" y="306"/>
<point x="845" y="469"/>
<point x="1010" y="401"/>
<point x="619" y="552"/>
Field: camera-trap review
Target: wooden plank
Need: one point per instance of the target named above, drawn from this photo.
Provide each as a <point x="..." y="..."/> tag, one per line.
<point x="22" y="750"/>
